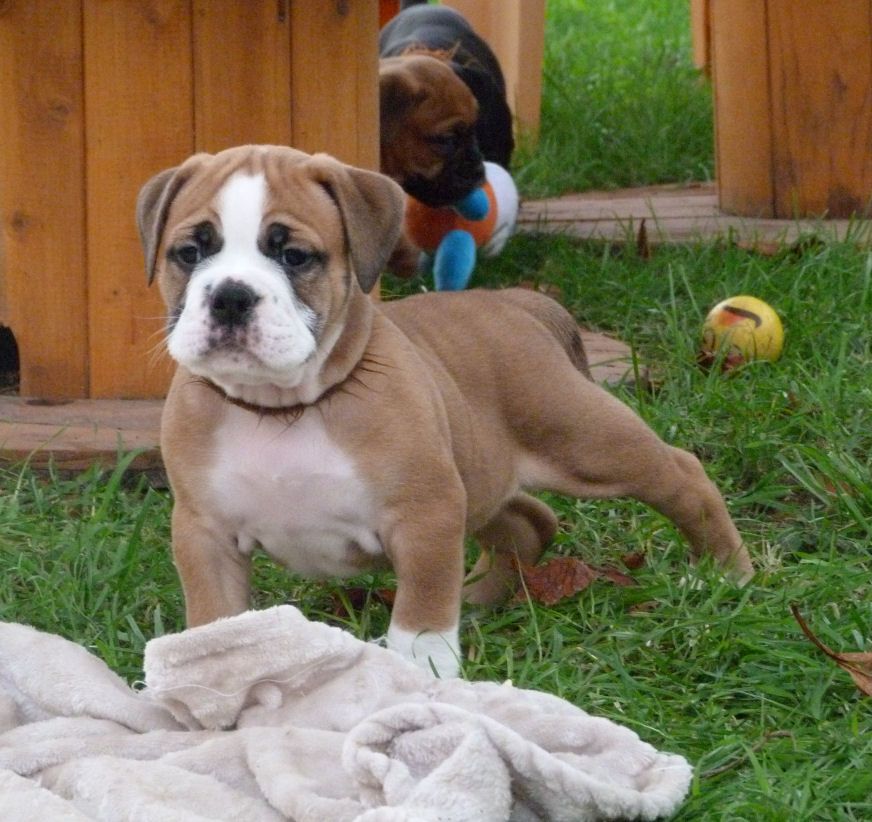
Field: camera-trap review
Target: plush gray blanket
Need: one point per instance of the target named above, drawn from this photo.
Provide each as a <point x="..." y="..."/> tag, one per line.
<point x="267" y="716"/>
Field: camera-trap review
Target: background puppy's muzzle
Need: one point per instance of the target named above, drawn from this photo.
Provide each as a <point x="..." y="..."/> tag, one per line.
<point x="232" y="303"/>
<point x="470" y="165"/>
<point x="458" y="178"/>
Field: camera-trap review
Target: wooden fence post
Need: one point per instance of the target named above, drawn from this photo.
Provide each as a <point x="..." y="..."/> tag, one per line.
<point x="793" y="106"/>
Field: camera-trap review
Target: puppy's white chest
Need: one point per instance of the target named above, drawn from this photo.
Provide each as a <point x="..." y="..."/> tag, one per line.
<point x="287" y="487"/>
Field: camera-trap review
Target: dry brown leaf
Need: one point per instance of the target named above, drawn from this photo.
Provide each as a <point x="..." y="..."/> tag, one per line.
<point x="619" y="578"/>
<point x="634" y="561"/>
<point x="857" y="664"/>
<point x="563" y="577"/>
<point x="557" y="579"/>
<point x="835" y="486"/>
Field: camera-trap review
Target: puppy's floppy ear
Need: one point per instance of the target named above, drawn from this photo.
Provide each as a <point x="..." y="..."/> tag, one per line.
<point x="371" y="206"/>
<point x="398" y="92"/>
<point x="153" y="205"/>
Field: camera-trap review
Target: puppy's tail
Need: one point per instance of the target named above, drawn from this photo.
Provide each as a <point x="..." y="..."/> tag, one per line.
<point x="557" y="320"/>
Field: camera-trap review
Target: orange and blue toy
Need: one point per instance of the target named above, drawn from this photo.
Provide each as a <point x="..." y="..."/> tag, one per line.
<point x="451" y="237"/>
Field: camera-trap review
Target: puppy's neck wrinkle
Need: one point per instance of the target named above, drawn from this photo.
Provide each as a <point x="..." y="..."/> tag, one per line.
<point x="334" y="370"/>
<point x="291" y="413"/>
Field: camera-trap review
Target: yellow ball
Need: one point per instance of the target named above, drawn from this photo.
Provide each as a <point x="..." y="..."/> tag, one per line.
<point x="745" y="328"/>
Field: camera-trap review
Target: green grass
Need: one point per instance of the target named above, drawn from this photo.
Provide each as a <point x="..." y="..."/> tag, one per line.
<point x="724" y="676"/>
<point x="622" y="104"/>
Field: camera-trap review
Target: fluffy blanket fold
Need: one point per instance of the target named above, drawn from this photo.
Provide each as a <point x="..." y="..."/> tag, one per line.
<point x="267" y="716"/>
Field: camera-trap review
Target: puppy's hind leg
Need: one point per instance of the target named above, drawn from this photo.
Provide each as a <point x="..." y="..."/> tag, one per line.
<point x="600" y="448"/>
<point x="521" y="530"/>
<point x="696" y="506"/>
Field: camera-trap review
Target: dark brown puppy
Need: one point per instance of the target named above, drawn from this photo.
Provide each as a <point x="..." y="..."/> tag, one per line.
<point x="443" y="105"/>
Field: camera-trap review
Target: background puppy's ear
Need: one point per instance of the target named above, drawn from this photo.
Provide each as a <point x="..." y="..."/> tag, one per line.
<point x="153" y="205"/>
<point x="398" y="92"/>
<point x="371" y="206"/>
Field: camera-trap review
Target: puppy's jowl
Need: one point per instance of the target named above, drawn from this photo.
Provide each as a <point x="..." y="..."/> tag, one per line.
<point x="338" y="434"/>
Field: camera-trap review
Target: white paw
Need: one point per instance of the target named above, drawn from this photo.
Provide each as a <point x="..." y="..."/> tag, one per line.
<point x="430" y="650"/>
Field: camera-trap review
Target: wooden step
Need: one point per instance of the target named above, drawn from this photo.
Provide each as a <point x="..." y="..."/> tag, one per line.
<point x="74" y="434"/>
<point x="673" y="214"/>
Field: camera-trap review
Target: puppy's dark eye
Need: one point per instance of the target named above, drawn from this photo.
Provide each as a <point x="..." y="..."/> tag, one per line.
<point x="189" y="255"/>
<point x="293" y="258"/>
<point x="203" y="242"/>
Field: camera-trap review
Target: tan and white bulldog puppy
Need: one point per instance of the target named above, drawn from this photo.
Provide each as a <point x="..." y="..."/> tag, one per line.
<point x="338" y="434"/>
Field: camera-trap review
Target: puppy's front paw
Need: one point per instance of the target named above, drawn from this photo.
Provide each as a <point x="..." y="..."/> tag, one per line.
<point x="433" y="651"/>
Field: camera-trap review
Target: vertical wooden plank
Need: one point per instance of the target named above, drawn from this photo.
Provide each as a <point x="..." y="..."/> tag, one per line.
<point x="4" y="297"/>
<point x="366" y="86"/>
<point x="525" y="85"/>
<point x="242" y="67"/>
<point x="743" y="132"/>
<point x="700" y="32"/>
<point x="515" y="30"/>
<point x="334" y="79"/>
<point x="138" y="86"/>
<point x="42" y="194"/>
<point x="821" y="63"/>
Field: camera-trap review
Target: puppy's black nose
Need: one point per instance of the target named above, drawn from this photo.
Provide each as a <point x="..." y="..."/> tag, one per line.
<point x="232" y="302"/>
